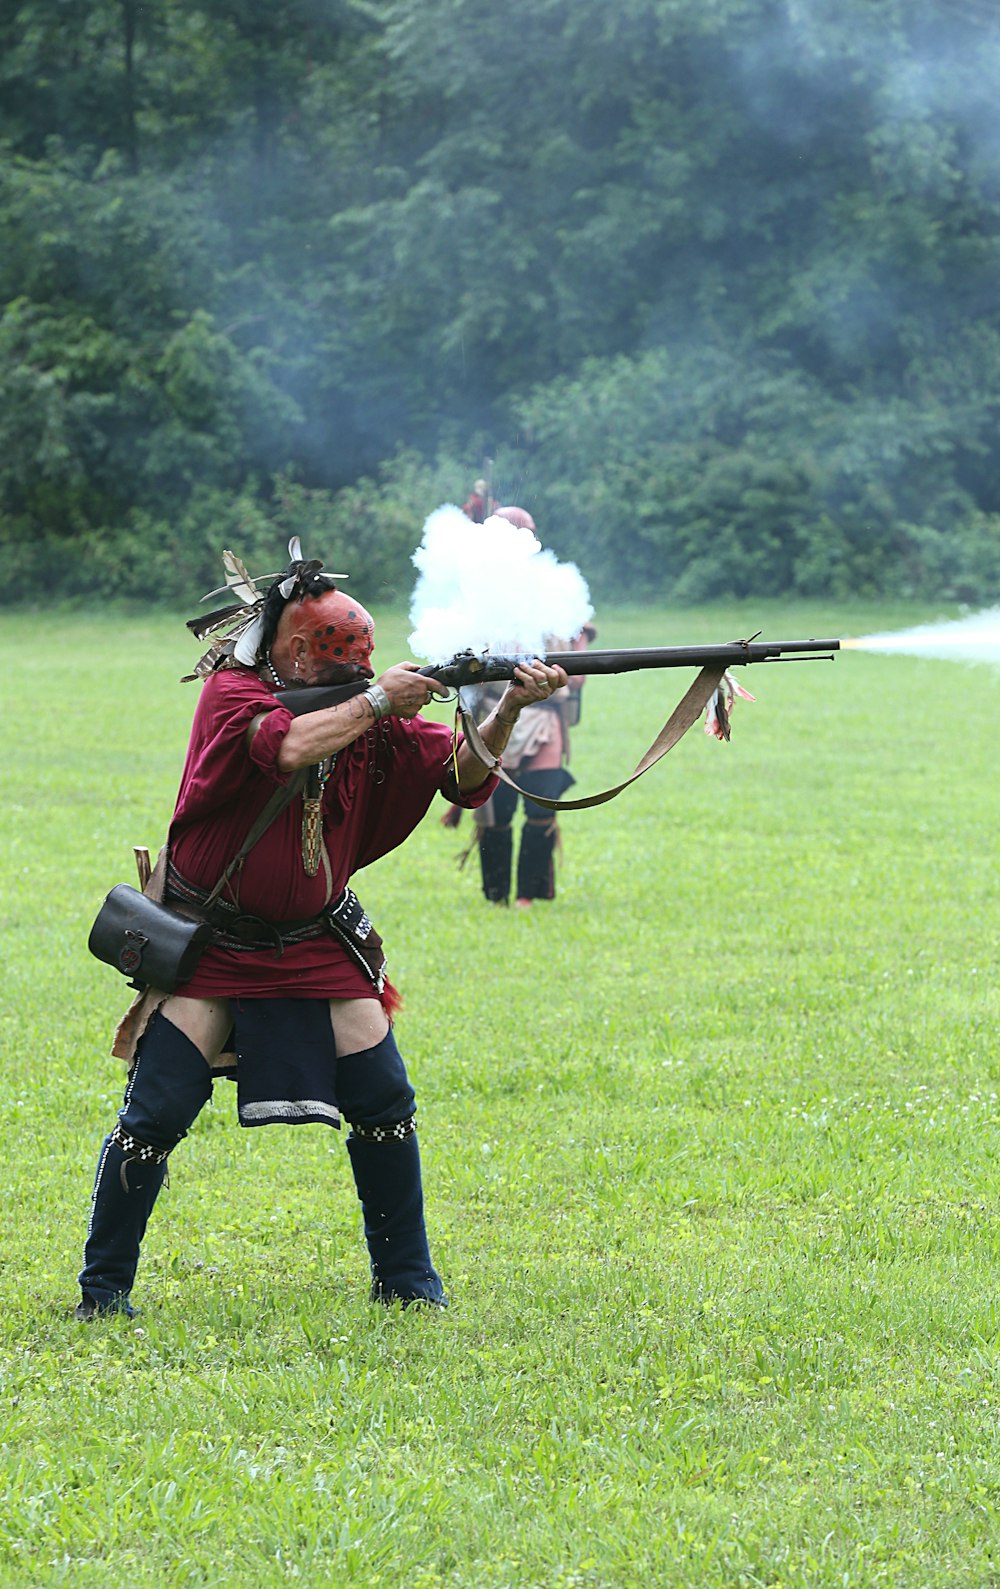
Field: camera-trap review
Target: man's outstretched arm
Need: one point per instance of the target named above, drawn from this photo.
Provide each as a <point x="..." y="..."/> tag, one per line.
<point x="532" y="682"/>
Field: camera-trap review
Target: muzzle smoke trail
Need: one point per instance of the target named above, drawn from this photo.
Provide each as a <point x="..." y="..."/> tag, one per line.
<point x="972" y="639"/>
<point x="491" y="587"/>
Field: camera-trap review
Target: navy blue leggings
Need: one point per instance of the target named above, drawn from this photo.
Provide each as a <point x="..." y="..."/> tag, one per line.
<point x="170" y="1083"/>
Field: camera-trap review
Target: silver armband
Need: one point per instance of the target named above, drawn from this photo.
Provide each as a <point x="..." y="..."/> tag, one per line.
<point x="378" y="701"/>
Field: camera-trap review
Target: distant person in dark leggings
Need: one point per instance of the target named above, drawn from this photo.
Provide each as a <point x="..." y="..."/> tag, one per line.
<point x="536" y="757"/>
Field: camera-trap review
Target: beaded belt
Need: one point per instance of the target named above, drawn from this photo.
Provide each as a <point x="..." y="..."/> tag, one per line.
<point x="346" y="919"/>
<point x="235" y="928"/>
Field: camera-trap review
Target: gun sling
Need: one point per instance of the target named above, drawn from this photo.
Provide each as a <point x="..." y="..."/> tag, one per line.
<point x="686" y="712"/>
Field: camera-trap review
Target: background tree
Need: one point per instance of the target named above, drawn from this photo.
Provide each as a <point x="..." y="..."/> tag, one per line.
<point x="714" y="283"/>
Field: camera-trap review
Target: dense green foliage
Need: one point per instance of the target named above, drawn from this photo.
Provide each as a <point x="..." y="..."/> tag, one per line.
<point x="713" y="280"/>
<point x="712" y="1169"/>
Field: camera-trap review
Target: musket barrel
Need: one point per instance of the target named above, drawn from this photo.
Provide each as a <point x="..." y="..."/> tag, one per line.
<point x="736" y="653"/>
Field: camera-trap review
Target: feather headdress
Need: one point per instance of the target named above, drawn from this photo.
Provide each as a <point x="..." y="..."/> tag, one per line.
<point x="243" y="620"/>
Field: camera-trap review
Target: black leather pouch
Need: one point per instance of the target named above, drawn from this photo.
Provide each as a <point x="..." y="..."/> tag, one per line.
<point x="149" y="943"/>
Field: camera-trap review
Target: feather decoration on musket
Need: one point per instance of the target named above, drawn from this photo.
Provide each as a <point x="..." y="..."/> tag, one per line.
<point x="720" y="706"/>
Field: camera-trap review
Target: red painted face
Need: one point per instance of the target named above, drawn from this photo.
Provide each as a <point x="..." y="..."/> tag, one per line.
<point x="337" y="631"/>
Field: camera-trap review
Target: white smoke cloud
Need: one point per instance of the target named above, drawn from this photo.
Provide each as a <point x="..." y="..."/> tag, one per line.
<point x="490" y="587"/>
<point x="972" y="639"/>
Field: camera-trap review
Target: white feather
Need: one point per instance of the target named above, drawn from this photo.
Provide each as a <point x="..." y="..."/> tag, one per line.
<point x="295" y="550"/>
<point x="246" y="647"/>
<point x="238" y="579"/>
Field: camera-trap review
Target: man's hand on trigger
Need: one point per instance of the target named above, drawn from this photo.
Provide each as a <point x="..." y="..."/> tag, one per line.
<point x="408" y="689"/>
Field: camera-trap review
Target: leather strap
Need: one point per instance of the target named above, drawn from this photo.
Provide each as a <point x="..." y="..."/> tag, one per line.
<point x="277" y="803"/>
<point x="686" y="712"/>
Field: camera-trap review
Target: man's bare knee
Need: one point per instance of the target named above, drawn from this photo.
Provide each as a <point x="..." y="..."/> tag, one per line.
<point x="205" y="1022"/>
<point x="357" y="1024"/>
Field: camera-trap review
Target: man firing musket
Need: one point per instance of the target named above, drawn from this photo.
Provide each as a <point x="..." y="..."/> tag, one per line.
<point x="250" y="954"/>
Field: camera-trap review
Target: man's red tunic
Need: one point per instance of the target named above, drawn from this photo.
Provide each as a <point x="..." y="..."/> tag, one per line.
<point x="379" y="789"/>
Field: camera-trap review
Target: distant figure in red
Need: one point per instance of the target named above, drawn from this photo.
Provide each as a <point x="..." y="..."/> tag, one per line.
<point x="480" y="504"/>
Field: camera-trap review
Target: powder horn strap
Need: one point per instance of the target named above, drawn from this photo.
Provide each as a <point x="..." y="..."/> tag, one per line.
<point x="277" y="803"/>
<point x="686" y="712"/>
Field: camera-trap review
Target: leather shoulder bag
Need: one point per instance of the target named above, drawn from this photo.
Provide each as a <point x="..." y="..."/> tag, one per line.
<point x="155" y="945"/>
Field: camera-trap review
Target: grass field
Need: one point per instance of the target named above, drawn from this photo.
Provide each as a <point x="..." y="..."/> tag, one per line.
<point x="710" y="1151"/>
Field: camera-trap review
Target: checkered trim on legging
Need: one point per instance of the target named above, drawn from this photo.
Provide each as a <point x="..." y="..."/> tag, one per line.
<point x="135" y="1150"/>
<point x="397" y="1133"/>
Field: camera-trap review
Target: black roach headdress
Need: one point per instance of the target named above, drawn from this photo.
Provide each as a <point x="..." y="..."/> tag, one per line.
<point x="245" y="628"/>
